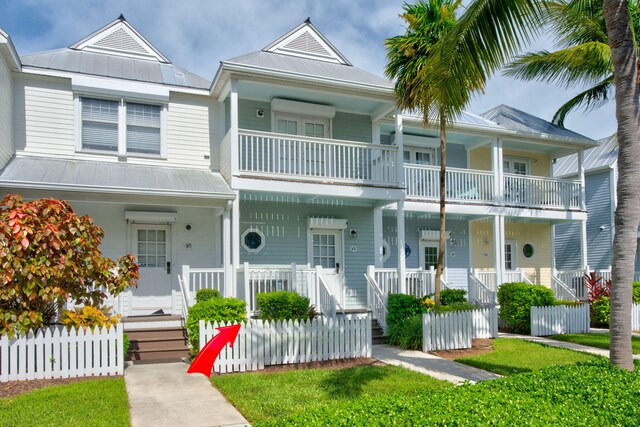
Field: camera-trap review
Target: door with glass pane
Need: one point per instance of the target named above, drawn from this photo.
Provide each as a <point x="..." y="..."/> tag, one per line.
<point x="152" y="246"/>
<point x="516" y="190"/>
<point x="326" y="252"/>
<point x="423" y="183"/>
<point x="510" y="261"/>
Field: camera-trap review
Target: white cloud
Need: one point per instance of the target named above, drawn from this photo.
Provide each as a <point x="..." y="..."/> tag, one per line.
<point x="198" y="34"/>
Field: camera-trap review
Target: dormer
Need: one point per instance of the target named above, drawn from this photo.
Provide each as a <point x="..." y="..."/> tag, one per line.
<point x="119" y="38"/>
<point x="305" y="41"/>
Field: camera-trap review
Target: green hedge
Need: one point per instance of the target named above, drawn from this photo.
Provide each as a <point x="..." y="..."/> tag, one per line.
<point x="453" y="296"/>
<point x="216" y="309"/>
<point x="589" y="394"/>
<point x="601" y="312"/>
<point x="516" y="300"/>
<point x="406" y="333"/>
<point x="207" y="294"/>
<point x="636" y="292"/>
<point x="400" y="307"/>
<point x="283" y="305"/>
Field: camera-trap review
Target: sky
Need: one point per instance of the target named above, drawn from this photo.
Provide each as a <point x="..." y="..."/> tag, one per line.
<point x="198" y="34"/>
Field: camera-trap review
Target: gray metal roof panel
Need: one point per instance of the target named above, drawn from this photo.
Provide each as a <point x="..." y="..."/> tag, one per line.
<point x="118" y="67"/>
<point x="106" y="176"/>
<point x="294" y="64"/>
<point x="465" y="118"/>
<point x="514" y="119"/>
<point x="604" y="154"/>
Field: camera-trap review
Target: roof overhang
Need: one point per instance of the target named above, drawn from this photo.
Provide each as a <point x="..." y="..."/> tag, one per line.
<point x="8" y="51"/>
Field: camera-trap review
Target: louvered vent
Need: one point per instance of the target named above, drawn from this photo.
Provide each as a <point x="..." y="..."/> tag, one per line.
<point x="121" y="40"/>
<point x="305" y="42"/>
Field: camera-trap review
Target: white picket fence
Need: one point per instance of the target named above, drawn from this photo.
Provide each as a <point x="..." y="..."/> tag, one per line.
<point x="485" y="322"/>
<point x="560" y="319"/>
<point x="262" y="343"/>
<point x="447" y="331"/>
<point x="635" y="317"/>
<point x="60" y="353"/>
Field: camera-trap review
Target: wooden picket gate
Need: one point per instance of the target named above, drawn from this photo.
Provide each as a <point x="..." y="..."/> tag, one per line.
<point x="447" y="331"/>
<point x="263" y="343"/>
<point x="61" y="353"/>
<point x="485" y="322"/>
<point x="560" y="319"/>
<point x="635" y="317"/>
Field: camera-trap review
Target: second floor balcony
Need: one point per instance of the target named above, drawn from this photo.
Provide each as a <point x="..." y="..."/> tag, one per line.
<point x="484" y="187"/>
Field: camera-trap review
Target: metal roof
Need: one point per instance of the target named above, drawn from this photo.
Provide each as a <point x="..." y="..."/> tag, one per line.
<point x="311" y="67"/>
<point x="117" y="67"/>
<point x="111" y="177"/>
<point x="514" y="119"/>
<point x="605" y="154"/>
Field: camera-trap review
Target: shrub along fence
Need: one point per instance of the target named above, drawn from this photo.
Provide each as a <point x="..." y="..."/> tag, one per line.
<point x="60" y="353"/>
<point x="635" y="317"/>
<point x="455" y="330"/>
<point x="559" y="319"/>
<point x="264" y="343"/>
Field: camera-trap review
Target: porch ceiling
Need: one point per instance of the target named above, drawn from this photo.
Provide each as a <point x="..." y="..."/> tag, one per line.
<point x="262" y="91"/>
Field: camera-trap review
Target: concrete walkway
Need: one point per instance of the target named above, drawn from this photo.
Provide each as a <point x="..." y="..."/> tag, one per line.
<point x="431" y="365"/>
<point x="165" y="395"/>
<point x="562" y="344"/>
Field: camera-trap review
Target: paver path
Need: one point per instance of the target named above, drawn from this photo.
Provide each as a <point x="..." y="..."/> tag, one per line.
<point x="563" y="344"/>
<point x="165" y="395"/>
<point x="431" y="365"/>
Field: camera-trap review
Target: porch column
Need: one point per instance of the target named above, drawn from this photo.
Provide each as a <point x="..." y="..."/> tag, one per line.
<point x="235" y="245"/>
<point x="230" y="289"/>
<point x="400" y="145"/>
<point x="584" y="260"/>
<point x="377" y="237"/>
<point x="498" y="248"/>
<point x="496" y="167"/>
<point x="583" y="195"/>
<point x="233" y="130"/>
<point x="402" y="268"/>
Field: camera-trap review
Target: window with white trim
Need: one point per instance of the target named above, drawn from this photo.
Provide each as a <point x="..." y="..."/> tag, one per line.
<point x="121" y="127"/>
<point x="305" y="126"/>
<point x="419" y="156"/>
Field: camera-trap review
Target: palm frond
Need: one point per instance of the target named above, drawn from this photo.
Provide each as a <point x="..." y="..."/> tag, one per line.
<point x="584" y="64"/>
<point x="590" y="99"/>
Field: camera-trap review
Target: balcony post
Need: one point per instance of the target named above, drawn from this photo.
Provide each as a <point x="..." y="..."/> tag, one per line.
<point x="378" y="237"/>
<point x="229" y="274"/>
<point x="234" y="143"/>
<point x="498" y="248"/>
<point x="402" y="268"/>
<point x="583" y="196"/>
<point x="400" y="146"/>
<point x="235" y="240"/>
<point x="584" y="259"/>
<point x="497" y="168"/>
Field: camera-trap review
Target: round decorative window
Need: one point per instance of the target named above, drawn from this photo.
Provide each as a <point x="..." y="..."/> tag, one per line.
<point x="528" y="250"/>
<point x="386" y="251"/>
<point x="253" y="240"/>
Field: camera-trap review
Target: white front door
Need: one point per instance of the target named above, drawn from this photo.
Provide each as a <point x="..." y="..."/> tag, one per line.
<point x="510" y="255"/>
<point x="152" y="245"/>
<point x="326" y="252"/>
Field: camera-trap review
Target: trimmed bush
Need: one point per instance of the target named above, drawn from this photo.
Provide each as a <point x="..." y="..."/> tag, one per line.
<point x="453" y="296"/>
<point x="207" y="294"/>
<point x="516" y="300"/>
<point x="456" y="306"/>
<point x="601" y="312"/>
<point x="401" y="306"/>
<point x="283" y="305"/>
<point x="126" y="344"/>
<point x="579" y="395"/>
<point x="406" y="333"/>
<point x="216" y="309"/>
<point x="636" y="292"/>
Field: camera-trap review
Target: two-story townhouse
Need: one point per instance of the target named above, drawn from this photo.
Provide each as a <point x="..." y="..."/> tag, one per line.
<point x="111" y="125"/>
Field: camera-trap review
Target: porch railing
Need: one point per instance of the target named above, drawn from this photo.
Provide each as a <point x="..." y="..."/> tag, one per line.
<point x="489" y="277"/>
<point x="479" y="293"/>
<point x="533" y="191"/>
<point x="423" y="182"/>
<point x="195" y="279"/>
<point x="561" y="290"/>
<point x="376" y="301"/>
<point x="304" y="157"/>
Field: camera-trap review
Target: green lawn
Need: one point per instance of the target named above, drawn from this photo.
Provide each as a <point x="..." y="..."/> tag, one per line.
<point x="269" y="396"/>
<point x="94" y="402"/>
<point x="512" y="356"/>
<point x="595" y="340"/>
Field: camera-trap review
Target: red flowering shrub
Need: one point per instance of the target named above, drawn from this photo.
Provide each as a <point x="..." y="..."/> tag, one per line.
<point x="596" y="286"/>
<point x="49" y="254"/>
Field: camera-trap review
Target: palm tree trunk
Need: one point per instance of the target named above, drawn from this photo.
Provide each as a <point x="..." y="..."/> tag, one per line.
<point x="443" y="189"/>
<point x="627" y="215"/>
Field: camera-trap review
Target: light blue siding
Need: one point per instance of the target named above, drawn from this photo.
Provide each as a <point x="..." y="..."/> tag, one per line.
<point x="285" y="229"/>
<point x="456" y="156"/>
<point x="352" y="127"/>
<point x="457" y="257"/>
<point x="567" y="236"/>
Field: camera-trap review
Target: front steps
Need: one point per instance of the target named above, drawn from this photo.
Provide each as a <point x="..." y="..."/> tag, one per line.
<point x="156" y="339"/>
<point x="377" y="333"/>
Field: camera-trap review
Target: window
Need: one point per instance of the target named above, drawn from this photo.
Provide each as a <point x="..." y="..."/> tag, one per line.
<point x="325" y="249"/>
<point x="430" y="256"/>
<point x="121" y="127"/>
<point x="252" y="240"/>
<point x="386" y="251"/>
<point x="304" y="126"/>
<point x="528" y="250"/>
<point x="515" y="166"/>
<point x="510" y="255"/>
<point x="152" y="249"/>
<point x="425" y="156"/>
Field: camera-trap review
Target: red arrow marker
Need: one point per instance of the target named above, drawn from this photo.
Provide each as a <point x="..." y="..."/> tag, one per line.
<point x="203" y="363"/>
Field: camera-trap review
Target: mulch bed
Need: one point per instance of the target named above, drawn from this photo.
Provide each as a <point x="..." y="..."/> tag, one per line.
<point x="14" y="388"/>
<point x="479" y="346"/>
<point x="326" y="364"/>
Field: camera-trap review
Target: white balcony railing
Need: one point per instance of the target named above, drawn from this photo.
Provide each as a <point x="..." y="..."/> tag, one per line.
<point x="423" y="182"/>
<point x="533" y="191"/>
<point x="315" y="159"/>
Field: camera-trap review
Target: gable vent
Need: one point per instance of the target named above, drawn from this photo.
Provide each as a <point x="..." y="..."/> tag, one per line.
<point x="121" y="40"/>
<point x="305" y="42"/>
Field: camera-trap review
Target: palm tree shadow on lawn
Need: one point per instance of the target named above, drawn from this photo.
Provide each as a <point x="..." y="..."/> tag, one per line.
<point x="350" y="383"/>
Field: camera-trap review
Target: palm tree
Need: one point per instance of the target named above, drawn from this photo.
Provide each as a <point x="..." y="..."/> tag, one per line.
<point x="583" y="56"/>
<point x="441" y="61"/>
<point x="624" y="57"/>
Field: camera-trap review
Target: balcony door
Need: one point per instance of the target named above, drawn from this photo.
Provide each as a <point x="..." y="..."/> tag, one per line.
<point x="305" y="158"/>
<point x="516" y="190"/>
<point x="151" y="244"/>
